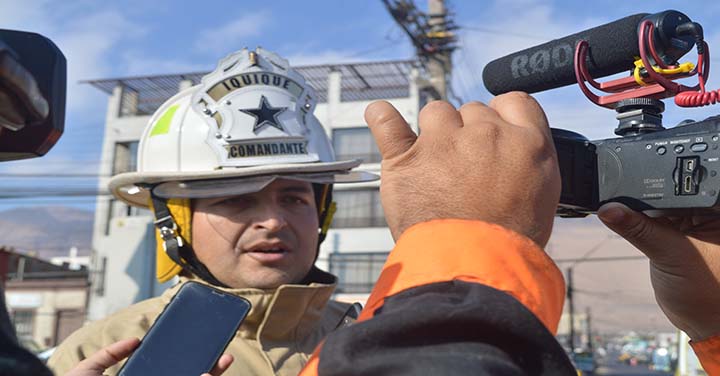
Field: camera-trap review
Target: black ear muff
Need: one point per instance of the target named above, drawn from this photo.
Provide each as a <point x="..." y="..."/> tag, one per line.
<point x="326" y="209"/>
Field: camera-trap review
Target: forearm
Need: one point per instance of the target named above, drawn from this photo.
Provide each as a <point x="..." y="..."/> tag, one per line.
<point x="454" y="296"/>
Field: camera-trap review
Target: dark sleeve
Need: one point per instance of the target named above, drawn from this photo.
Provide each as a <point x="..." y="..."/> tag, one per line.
<point x="455" y="297"/>
<point x="446" y="328"/>
<point x="15" y="360"/>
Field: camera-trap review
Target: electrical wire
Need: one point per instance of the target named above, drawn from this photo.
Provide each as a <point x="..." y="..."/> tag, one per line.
<point x="460" y="79"/>
<point x="474" y="81"/>
<point x="503" y="32"/>
<point x="702" y="97"/>
<point x="52" y="175"/>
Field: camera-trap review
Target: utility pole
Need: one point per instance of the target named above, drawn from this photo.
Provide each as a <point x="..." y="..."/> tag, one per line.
<point x="589" y="330"/>
<point x="431" y="34"/>
<point x="571" y="307"/>
<point x="439" y="65"/>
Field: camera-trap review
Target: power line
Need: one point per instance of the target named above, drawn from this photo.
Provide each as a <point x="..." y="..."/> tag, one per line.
<point x="52" y="175"/>
<point x="487" y="30"/>
<point x="27" y="202"/>
<point x="593" y="250"/>
<point x="375" y="49"/>
<point x="431" y="35"/>
<point x="31" y="195"/>
<point x="473" y="78"/>
<point x="477" y="80"/>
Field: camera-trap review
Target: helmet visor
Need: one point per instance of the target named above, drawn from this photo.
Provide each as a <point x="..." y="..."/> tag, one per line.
<point x="244" y="185"/>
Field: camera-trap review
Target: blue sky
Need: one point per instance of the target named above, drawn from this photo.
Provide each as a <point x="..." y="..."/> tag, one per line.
<point x="112" y="39"/>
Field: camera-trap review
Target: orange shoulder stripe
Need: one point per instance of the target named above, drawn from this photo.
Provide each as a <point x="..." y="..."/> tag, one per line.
<point x="311" y="367"/>
<point x="472" y="251"/>
<point x="708" y="352"/>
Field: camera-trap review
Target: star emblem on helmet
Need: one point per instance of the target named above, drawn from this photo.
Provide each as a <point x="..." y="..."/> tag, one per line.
<point x="265" y="115"/>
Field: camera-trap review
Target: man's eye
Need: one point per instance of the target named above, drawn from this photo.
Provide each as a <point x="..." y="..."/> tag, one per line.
<point x="295" y="200"/>
<point x="233" y="201"/>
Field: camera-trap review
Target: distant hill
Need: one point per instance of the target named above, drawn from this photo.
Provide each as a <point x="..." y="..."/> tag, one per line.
<point x="47" y="231"/>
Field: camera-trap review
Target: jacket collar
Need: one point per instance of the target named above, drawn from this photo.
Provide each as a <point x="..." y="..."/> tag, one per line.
<point x="286" y="313"/>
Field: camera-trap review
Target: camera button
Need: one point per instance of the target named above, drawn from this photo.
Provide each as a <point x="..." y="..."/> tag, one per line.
<point x="699" y="147"/>
<point x="661" y="150"/>
<point x="679" y="149"/>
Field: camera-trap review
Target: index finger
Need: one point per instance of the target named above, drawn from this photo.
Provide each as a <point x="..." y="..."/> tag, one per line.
<point x="109" y="356"/>
<point x="521" y="109"/>
<point x="221" y="366"/>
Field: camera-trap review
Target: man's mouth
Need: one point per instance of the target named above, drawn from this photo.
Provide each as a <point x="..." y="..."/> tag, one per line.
<point x="274" y="250"/>
<point x="268" y="253"/>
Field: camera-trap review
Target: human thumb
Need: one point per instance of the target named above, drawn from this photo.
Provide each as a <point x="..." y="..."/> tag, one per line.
<point x="654" y="239"/>
<point x="391" y="132"/>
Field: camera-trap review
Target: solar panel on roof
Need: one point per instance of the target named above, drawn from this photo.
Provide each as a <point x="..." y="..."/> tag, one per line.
<point x="360" y="82"/>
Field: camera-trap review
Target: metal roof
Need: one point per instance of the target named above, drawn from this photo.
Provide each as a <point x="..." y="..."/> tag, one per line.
<point x="360" y="81"/>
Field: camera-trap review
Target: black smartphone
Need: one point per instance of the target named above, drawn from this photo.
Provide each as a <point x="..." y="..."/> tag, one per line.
<point x="190" y="334"/>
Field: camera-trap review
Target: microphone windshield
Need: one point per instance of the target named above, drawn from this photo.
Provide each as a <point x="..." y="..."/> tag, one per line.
<point x="613" y="49"/>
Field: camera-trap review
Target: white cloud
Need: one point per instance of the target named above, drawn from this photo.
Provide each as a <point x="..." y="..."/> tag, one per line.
<point x="233" y="35"/>
<point x="87" y="45"/>
<point x="86" y="39"/>
<point x="51" y="163"/>
<point x="137" y="63"/>
<point x="511" y="27"/>
<point x="30" y="15"/>
<point x="323" y="57"/>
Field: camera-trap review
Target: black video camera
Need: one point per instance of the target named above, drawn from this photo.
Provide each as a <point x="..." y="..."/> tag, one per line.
<point x="32" y="94"/>
<point x="674" y="169"/>
<point x="649" y="167"/>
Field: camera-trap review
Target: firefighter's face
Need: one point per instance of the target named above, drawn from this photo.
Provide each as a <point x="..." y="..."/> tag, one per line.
<point x="258" y="240"/>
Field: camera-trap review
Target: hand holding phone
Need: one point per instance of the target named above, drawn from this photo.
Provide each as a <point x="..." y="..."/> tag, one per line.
<point x="108" y="356"/>
<point x="190" y="334"/>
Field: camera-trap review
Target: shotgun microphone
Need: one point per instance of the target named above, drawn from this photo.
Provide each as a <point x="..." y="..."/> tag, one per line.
<point x="613" y="48"/>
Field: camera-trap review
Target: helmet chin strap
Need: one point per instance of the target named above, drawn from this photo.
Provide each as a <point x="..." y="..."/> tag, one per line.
<point x="178" y="250"/>
<point x="326" y="211"/>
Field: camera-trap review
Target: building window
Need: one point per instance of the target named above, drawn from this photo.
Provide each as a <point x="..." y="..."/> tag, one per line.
<point x="357" y="272"/>
<point x="134" y="211"/>
<point x="125" y="158"/>
<point x="97" y="278"/>
<point x="358" y="208"/>
<point x="23" y="320"/>
<point x="355" y="143"/>
<point x="111" y="203"/>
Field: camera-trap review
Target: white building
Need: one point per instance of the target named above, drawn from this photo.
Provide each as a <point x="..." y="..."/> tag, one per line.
<point x="356" y="246"/>
<point x="46" y="302"/>
<point x="72" y="260"/>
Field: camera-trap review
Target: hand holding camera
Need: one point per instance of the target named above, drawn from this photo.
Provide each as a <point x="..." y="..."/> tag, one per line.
<point x="684" y="255"/>
<point x="466" y="164"/>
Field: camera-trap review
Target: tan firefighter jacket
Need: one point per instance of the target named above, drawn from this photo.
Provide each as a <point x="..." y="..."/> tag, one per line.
<point x="277" y="337"/>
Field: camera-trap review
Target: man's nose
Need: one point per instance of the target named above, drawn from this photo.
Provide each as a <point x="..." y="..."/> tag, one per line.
<point x="271" y="219"/>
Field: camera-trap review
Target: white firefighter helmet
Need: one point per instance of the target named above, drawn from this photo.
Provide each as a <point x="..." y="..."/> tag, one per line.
<point x="247" y="123"/>
<point x="249" y="120"/>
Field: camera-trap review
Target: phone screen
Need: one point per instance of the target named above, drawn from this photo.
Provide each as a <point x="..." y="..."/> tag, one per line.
<point x="190" y="334"/>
